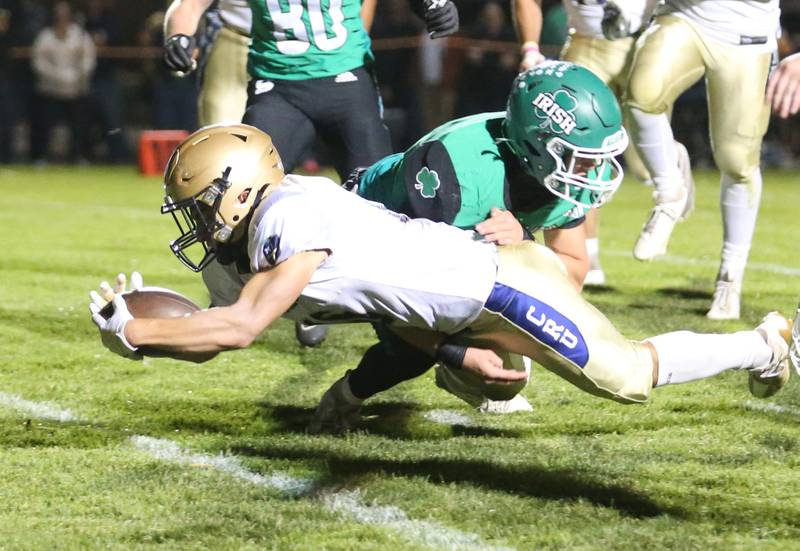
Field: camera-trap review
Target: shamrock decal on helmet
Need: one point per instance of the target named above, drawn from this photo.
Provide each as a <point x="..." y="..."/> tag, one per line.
<point x="557" y="109"/>
<point x="564" y="125"/>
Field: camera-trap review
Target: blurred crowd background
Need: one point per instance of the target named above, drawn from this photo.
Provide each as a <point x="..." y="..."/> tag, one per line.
<point x="112" y="84"/>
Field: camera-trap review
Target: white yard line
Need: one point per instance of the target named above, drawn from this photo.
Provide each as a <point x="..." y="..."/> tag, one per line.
<point x="711" y="263"/>
<point x="448" y="417"/>
<point x="769" y="407"/>
<point x="37" y="410"/>
<point x="171" y="452"/>
<point x="431" y="534"/>
<point x="345" y="502"/>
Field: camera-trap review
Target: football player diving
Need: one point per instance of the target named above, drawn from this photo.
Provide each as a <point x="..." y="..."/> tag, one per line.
<point x="540" y="165"/>
<point x="732" y="44"/>
<point x="310" y="68"/>
<point x="430" y="284"/>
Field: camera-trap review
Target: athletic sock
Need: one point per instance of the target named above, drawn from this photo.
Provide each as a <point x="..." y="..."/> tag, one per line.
<point x="655" y="143"/>
<point x="593" y="246"/>
<point x="739" y="205"/>
<point x="685" y="356"/>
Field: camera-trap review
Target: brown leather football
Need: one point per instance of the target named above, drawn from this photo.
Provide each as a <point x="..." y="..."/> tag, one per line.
<point x="159" y="303"/>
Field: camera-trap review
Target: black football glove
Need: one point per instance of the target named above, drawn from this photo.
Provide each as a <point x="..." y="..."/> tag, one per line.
<point x="441" y="18"/>
<point x="178" y="52"/>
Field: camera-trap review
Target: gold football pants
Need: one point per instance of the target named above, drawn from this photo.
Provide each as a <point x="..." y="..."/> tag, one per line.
<point x="535" y="311"/>
<point x="672" y="55"/>
<point x="223" y="95"/>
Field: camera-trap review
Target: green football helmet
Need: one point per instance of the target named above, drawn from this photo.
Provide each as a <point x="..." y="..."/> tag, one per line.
<point x="565" y="125"/>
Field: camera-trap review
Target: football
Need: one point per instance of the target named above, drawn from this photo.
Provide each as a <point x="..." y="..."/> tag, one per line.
<point x="156" y="302"/>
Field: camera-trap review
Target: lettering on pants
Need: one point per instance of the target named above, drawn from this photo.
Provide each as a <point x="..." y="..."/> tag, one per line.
<point x="560" y="333"/>
<point x="541" y="321"/>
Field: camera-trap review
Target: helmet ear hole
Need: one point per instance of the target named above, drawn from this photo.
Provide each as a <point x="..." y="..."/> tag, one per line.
<point x="531" y="147"/>
<point x="242" y="198"/>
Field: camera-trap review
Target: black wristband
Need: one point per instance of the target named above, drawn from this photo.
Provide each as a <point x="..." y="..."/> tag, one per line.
<point x="527" y="235"/>
<point x="452" y="355"/>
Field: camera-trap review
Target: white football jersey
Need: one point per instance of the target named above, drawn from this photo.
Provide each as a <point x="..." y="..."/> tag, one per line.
<point x="754" y="23"/>
<point x="381" y="265"/>
<point x="236" y="14"/>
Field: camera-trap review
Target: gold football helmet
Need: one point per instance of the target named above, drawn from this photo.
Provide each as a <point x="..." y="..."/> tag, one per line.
<point x="213" y="180"/>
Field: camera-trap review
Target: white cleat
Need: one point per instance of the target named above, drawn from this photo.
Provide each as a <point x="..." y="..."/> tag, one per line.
<point x="685" y="167"/>
<point x="669" y="210"/>
<point x="764" y="381"/>
<point x="595" y="277"/>
<point x="514" y="405"/>
<point x="726" y="304"/>
<point x="338" y="411"/>
<point x="655" y="234"/>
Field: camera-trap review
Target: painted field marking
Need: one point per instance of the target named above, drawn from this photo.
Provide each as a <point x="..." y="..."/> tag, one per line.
<point x="170" y="452"/>
<point x="448" y="417"/>
<point x="431" y="534"/>
<point x="687" y="261"/>
<point x="769" y="407"/>
<point x="37" y="410"/>
<point x="346" y="502"/>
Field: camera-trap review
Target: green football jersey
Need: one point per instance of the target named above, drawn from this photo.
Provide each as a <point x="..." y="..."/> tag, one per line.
<point x="458" y="172"/>
<point x="302" y="39"/>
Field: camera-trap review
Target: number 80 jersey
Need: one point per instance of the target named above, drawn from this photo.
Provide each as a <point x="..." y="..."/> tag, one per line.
<point x="303" y="39"/>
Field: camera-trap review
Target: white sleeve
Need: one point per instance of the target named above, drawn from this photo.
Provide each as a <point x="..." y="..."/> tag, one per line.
<point x="292" y="225"/>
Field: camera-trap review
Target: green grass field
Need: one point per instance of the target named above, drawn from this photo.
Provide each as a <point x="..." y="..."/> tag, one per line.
<point x="100" y="452"/>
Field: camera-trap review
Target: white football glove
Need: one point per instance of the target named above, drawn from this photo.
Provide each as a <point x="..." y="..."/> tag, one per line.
<point x="112" y="330"/>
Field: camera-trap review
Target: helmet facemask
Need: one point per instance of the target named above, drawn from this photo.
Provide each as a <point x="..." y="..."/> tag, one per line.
<point x="213" y="181"/>
<point x="199" y="224"/>
<point x="595" y="170"/>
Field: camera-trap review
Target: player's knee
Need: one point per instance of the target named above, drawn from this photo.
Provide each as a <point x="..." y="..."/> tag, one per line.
<point x="633" y="391"/>
<point x="623" y="374"/>
<point x="646" y="91"/>
<point x="737" y="161"/>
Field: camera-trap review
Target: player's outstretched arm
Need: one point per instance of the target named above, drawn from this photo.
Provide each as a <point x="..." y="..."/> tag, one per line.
<point x="264" y="298"/>
<point x="783" y="88"/>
